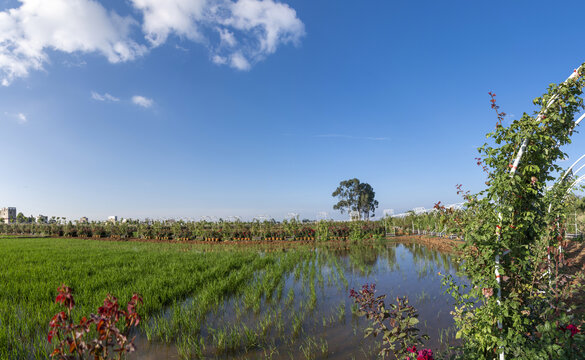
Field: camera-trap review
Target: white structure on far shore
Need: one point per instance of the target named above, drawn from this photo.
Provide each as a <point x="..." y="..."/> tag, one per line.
<point x="8" y="214"/>
<point x="388" y="212"/>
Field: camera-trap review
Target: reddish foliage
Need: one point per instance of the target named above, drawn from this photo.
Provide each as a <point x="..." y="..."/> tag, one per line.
<point x="501" y="115"/>
<point x="110" y="340"/>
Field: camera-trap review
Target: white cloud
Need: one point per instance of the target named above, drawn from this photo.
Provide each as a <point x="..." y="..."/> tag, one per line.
<point x="239" y="62"/>
<point x="238" y="33"/>
<point x="21" y="118"/>
<point x="227" y="37"/>
<point x="27" y="32"/>
<point x="104" y="97"/>
<point x="78" y="64"/>
<point x="163" y="17"/>
<point x="142" y="101"/>
<point x="249" y="30"/>
<point x="220" y="60"/>
<point x="276" y="22"/>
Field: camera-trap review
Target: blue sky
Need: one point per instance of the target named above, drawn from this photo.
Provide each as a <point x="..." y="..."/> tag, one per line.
<point x="186" y="108"/>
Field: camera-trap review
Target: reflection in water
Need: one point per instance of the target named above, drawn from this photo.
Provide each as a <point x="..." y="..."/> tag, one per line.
<point x="299" y="307"/>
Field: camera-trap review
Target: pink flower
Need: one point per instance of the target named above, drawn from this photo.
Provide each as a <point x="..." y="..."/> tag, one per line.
<point x="411" y="349"/>
<point x="572" y="328"/>
<point x="425" y="354"/>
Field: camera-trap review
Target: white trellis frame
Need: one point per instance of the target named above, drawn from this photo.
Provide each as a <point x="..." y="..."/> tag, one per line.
<point x="521" y="151"/>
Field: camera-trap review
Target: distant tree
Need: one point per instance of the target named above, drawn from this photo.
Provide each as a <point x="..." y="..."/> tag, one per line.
<point x="356" y="196"/>
<point x="20" y="218"/>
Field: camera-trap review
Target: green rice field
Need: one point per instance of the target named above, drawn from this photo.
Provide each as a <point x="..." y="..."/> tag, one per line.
<point x="218" y="301"/>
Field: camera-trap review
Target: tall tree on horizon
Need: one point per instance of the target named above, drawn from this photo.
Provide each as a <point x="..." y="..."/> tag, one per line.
<point x="356" y="196"/>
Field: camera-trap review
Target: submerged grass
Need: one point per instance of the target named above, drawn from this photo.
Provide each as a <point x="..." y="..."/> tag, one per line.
<point x="204" y="300"/>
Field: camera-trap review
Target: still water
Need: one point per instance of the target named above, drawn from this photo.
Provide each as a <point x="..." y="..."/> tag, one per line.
<point x="308" y="313"/>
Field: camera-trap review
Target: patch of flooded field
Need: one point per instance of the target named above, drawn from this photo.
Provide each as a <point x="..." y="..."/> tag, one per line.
<point x="299" y="306"/>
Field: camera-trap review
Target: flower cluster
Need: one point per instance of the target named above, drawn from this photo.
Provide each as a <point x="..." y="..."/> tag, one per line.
<point x="572" y="328"/>
<point x="424" y="354"/>
<point x="305" y="231"/>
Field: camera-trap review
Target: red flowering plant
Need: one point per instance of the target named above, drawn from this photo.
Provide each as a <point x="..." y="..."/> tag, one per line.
<point x="305" y="231"/>
<point x="574" y="330"/>
<point x="73" y="339"/>
<point x="424" y="354"/>
<point x="341" y="231"/>
<point x="519" y="294"/>
<point x="396" y="325"/>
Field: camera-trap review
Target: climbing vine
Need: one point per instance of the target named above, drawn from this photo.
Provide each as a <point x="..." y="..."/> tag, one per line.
<point x="517" y="301"/>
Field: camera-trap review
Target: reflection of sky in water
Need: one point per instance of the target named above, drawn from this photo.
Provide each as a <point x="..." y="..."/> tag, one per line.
<point x="411" y="270"/>
<point x="396" y="269"/>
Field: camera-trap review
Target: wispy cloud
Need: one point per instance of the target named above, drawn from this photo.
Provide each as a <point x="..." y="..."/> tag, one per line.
<point x="248" y="30"/>
<point x="77" y="64"/>
<point x="104" y="97"/>
<point x="18" y="117"/>
<point x="21" y="118"/>
<point x="142" y="101"/>
<point x="342" y="136"/>
<point x="239" y="61"/>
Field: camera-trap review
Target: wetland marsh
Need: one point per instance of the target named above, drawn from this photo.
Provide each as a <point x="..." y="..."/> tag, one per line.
<point x="222" y="301"/>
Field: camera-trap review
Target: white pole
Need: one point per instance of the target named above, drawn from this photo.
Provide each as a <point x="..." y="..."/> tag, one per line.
<point x="572" y="166"/>
<point x="579" y="169"/>
<point x="540" y="115"/>
<point x="512" y="172"/>
<point x="580" y="119"/>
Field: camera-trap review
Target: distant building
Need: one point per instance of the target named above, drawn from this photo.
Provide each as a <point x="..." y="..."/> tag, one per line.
<point x="8" y="214"/>
<point x="42" y="219"/>
<point x="83" y="220"/>
<point x="113" y="219"/>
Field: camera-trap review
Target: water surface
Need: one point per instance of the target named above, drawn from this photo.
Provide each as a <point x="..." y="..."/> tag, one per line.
<point x="304" y="311"/>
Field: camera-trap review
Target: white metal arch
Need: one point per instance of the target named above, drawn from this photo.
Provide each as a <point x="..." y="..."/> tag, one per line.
<point x="521" y="151"/>
<point x="572" y="166"/>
